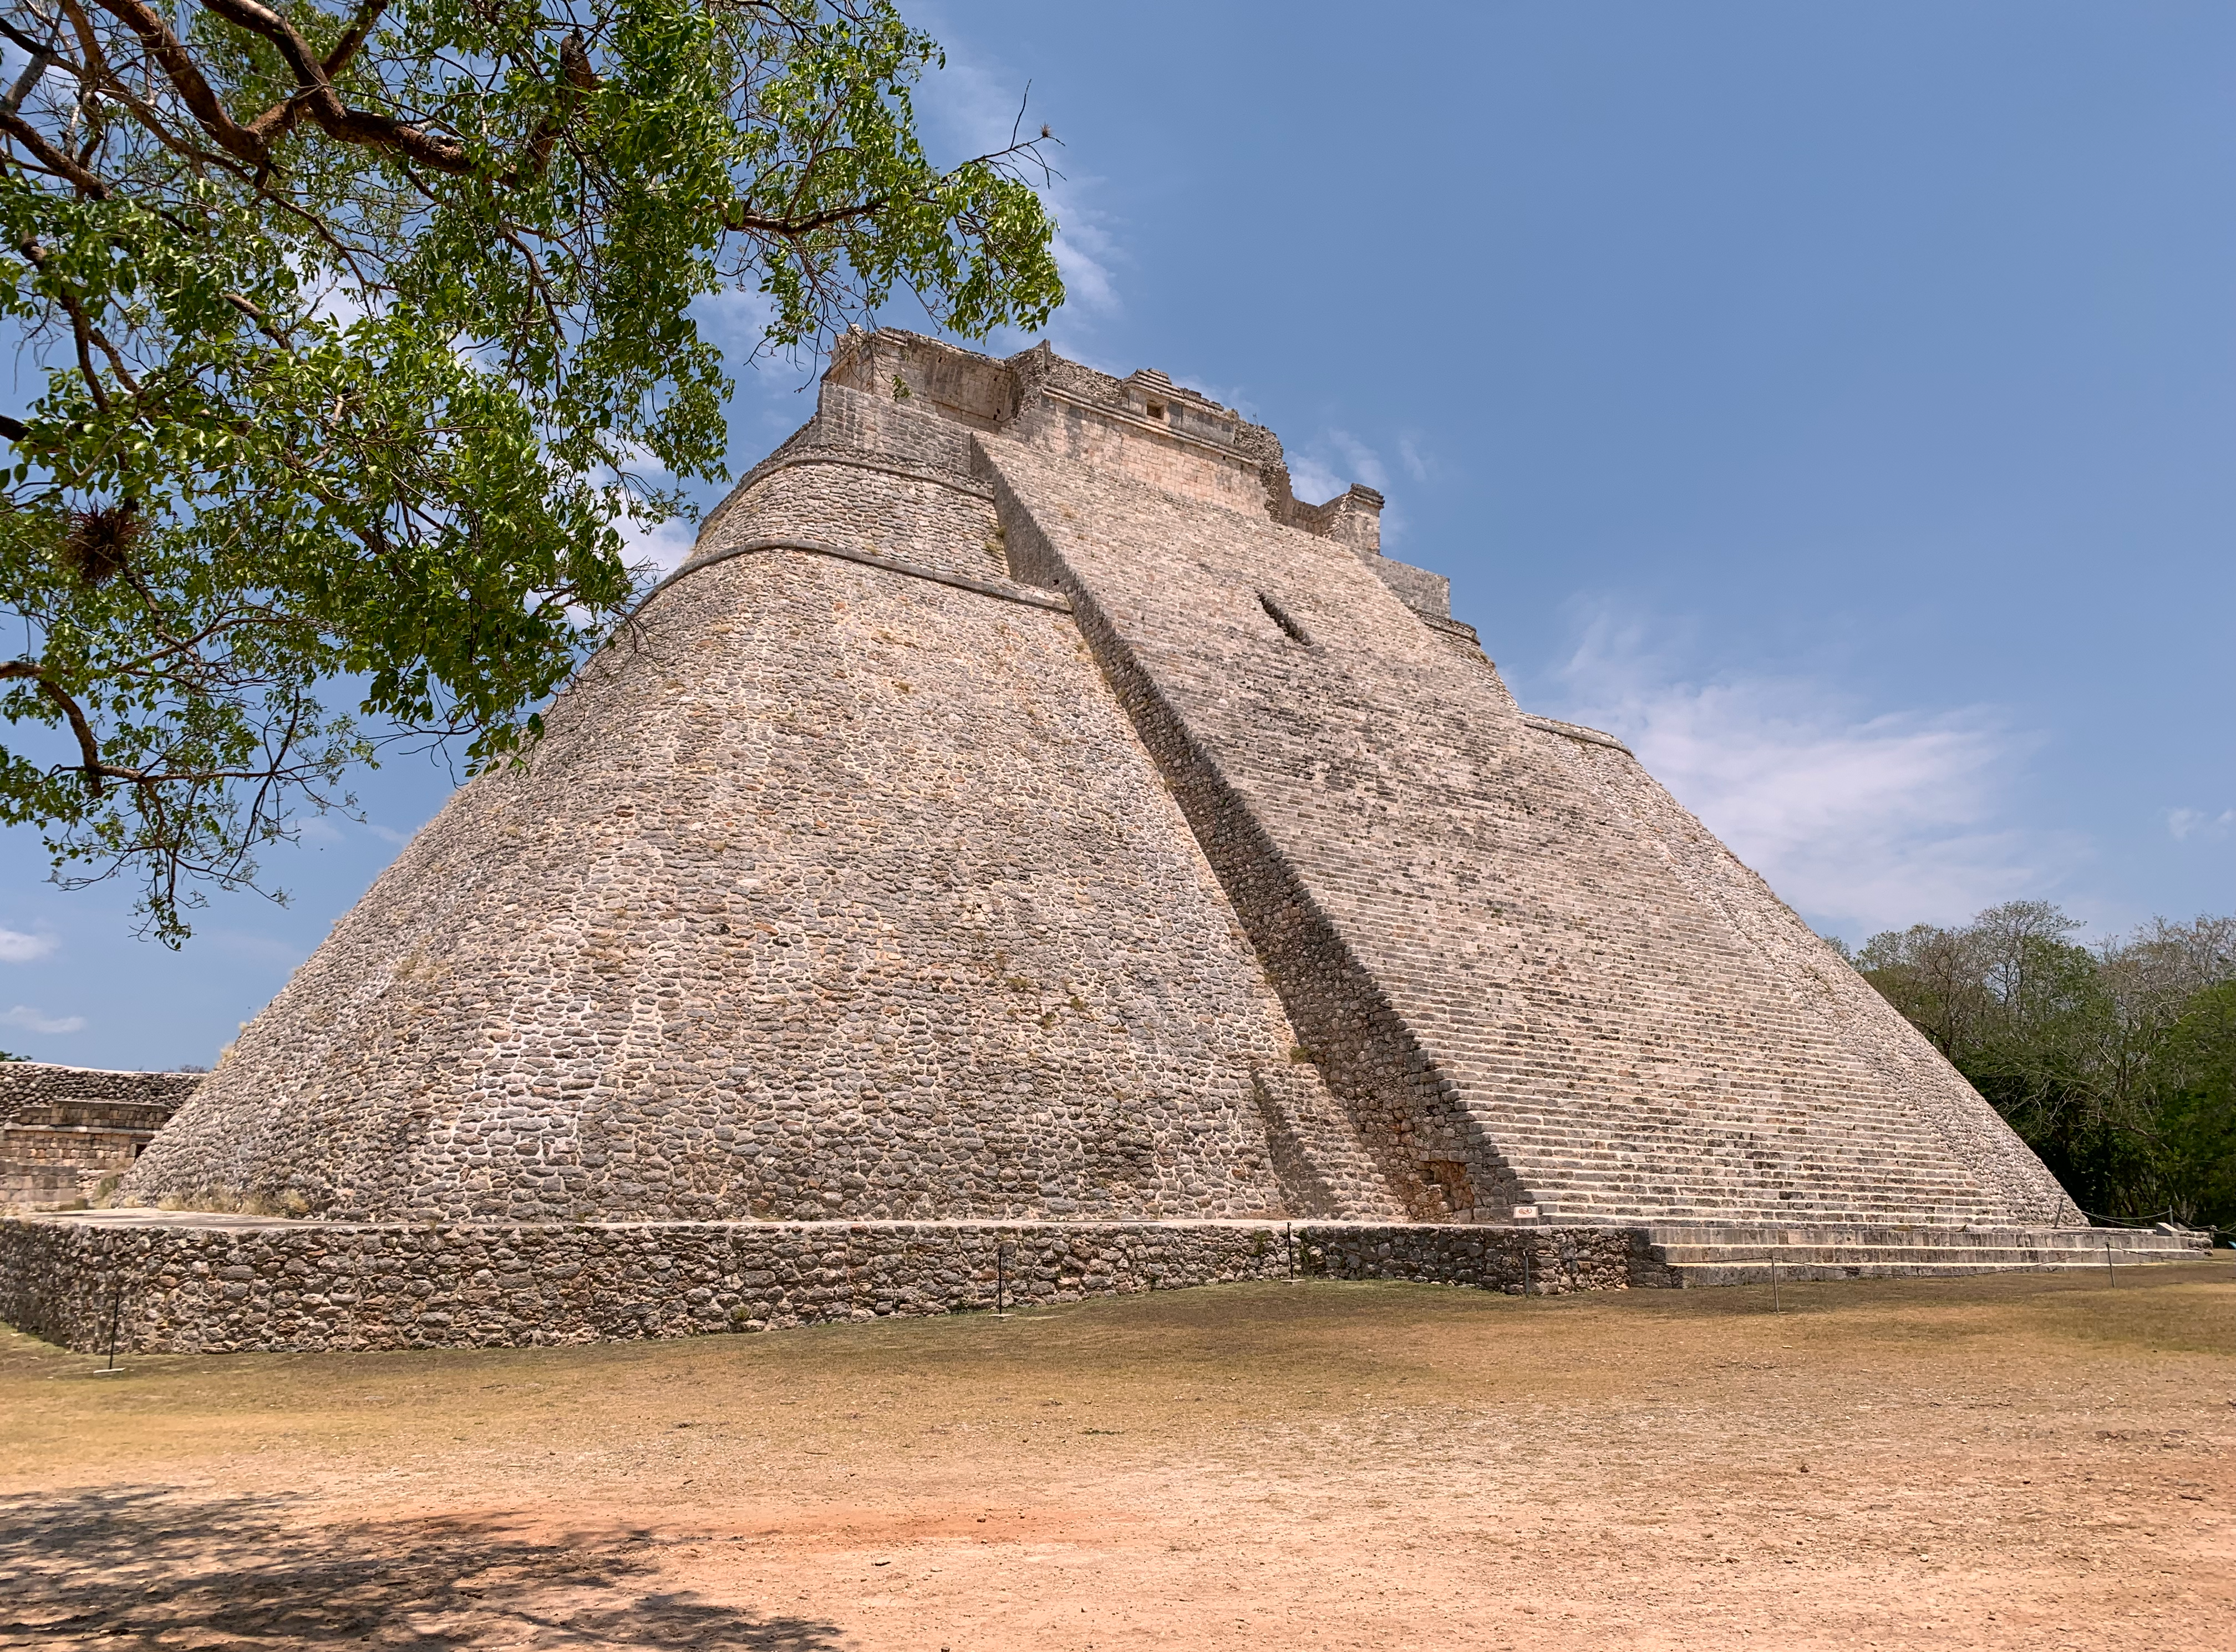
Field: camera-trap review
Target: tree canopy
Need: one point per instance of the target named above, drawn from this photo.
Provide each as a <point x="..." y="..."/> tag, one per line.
<point x="2116" y="1063"/>
<point x="358" y="331"/>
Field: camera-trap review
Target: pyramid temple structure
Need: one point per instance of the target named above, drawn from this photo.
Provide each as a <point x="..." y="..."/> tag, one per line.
<point x="1022" y="814"/>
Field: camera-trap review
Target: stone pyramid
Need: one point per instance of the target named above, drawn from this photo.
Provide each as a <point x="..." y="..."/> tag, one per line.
<point x="1023" y="807"/>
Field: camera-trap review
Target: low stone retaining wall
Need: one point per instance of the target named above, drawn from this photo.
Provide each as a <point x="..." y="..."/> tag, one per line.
<point x="184" y="1283"/>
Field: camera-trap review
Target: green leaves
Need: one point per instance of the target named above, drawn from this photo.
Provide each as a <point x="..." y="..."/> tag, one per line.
<point x="2114" y="1063"/>
<point x="371" y="319"/>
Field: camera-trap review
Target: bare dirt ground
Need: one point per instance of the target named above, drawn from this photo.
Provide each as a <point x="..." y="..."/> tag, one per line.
<point x="2023" y="1462"/>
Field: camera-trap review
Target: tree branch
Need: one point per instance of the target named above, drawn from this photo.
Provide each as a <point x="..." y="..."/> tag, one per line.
<point x="185" y="76"/>
<point x="30" y="78"/>
<point x="50" y="157"/>
<point x="353" y="36"/>
<point x="746" y="222"/>
<point x="88" y="748"/>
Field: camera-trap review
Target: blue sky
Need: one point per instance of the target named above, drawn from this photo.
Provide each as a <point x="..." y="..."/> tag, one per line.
<point x="1837" y="401"/>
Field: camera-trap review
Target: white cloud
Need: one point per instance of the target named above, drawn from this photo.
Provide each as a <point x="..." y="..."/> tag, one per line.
<point x="664" y="547"/>
<point x="388" y="834"/>
<point x="1329" y="462"/>
<point x="734" y="318"/>
<point x="1365" y="463"/>
<point x="16" y="947"/>
<point x="1862" y="821"/>
<point x="1085" y="250"/>
<point x="2184" y="823"/>
<point x="1418" y="465"/>
<point x="32" y="1020"/>
<point x="973" y="107"/>
<point x="1310" y="480"/>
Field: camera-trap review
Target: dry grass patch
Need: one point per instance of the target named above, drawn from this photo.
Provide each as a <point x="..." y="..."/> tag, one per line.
<point x="2023" y="1462"/>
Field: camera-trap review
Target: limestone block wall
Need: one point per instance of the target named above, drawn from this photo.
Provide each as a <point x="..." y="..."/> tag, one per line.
<point x="833" y="893"/>
<point x="1511" y="985"/>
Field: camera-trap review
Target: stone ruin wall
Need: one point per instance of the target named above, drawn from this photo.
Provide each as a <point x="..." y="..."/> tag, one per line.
<point x="67" y="1134"/>
<point x="1178" y="856"/>
<point x="829" y="892"/>
<point x="31" y="1086"/>
<point x="229" y="1286"/>
<point x="1518" y="996"/>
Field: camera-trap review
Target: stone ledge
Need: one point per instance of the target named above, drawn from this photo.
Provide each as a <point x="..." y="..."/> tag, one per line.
<point x="182" y="1282"/>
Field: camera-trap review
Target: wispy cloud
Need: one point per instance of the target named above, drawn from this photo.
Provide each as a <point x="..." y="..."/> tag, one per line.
<point x="388" y="834"/>
<point x="973" y="107"/>
<point x="1325" y="465"/>
<point x="32" y="1020"/>
<point x="734" y="318"/>
<point x="1862" y="820"/>
<point x="16" y="947"/>
<point x="2184" y="823"/>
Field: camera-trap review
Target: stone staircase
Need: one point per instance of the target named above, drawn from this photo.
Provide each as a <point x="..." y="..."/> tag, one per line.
<point x="1771" y="1170"/>
<point x="1707" y="1254"/>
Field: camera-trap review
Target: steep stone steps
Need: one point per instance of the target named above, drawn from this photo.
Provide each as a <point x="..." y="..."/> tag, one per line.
<point x="1701" y="1255"/>
<point x="1606" y="1185"/>
<point x="1729" y="1171"/>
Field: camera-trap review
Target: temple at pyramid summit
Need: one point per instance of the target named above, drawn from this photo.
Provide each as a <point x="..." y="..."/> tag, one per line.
<point x="1023" y="816"/>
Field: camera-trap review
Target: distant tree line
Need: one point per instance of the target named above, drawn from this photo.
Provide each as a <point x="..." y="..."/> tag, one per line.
<point x="2115" y="1063"/>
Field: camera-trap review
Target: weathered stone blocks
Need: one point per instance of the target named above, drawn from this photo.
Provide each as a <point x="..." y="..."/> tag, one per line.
<point x="215" y="1285"/>
<point x="1024" y="810"/>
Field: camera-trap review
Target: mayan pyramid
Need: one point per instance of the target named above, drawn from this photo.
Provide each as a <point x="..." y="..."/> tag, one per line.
<point x="1022" y="807"/>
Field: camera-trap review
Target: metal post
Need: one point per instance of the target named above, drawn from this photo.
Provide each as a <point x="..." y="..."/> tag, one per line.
<point x="1774" y="1308"/>
<point x="115" y="1311"/>
<point x="2109" y="1275"/>
<point x="1289" y="1246"/>
<point x="1525" y="1270"/>
<point x="1001" y="1278"/>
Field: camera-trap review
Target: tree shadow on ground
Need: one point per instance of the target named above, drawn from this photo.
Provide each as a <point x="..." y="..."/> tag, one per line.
<point x="147" y="1566"/>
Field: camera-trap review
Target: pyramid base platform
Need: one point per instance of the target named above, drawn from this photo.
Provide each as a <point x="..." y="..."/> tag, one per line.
<point x="188" y="1282"/>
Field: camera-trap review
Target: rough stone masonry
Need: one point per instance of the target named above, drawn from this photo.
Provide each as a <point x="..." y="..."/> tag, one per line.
<point x="1023" y="809"/>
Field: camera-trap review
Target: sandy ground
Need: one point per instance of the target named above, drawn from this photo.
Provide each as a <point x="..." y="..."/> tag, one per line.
<point x="2021" y="1462"/>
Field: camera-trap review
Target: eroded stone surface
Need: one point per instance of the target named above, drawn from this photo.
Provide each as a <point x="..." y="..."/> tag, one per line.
<point x="223" y="1285"/>
<point x="1025" y="808"/>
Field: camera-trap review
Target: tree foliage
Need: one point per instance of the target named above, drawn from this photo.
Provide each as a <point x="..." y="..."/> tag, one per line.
<point x="358" y="329"/>
<point x="2116" y="1063"/>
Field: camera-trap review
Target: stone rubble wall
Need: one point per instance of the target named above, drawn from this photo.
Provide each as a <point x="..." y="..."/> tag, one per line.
<point x="29" y="1086"/>
<point x="224" y="1287"/>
